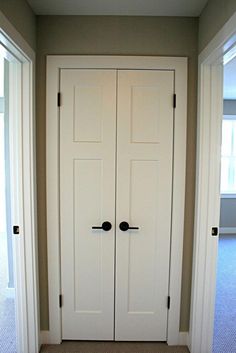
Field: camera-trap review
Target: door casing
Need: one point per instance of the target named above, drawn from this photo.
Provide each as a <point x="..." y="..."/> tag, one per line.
<point x="18" y="52"/>
<point x="207" y="203"/>
<point x="179" y="66"/>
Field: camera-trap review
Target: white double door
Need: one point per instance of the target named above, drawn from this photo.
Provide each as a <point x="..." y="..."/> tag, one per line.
<point x="116" y="147"/>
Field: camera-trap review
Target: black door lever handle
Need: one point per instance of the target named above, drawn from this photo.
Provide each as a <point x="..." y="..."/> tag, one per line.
<point x="105" y="226"/>
<point x="124" y="226"/>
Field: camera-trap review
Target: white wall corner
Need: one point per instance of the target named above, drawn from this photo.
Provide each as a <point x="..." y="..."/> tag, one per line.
<point x="183" y="339"/>
<point x="44" y="337"/>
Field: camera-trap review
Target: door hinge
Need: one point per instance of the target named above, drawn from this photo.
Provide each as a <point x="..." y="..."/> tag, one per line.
<point x="174" y="100"/>
<point x="58" y="99"/>
<point x="168" y="302"/>
<point x="214" y="231"/>
<point x="60" y="300"/>
<point x="16" y="230"/>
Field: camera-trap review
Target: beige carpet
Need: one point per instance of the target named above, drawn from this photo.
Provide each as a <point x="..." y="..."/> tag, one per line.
<point x="112" y="347"/>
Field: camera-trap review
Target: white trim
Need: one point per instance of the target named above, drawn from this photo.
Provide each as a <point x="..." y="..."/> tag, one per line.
<point x="44" y="337"/>
<point x="54" y="64"/>
<point x="26" y="244"/>
<point x="222" y="43"/>
<point x="207" y="205"/>
<point x="230" y="56"/>
<point x="183" y="338"/>
<point x="228" y="230"/>
<point x="13" y="40"/>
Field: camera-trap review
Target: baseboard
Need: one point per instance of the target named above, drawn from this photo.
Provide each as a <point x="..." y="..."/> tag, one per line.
<point x="228" y="230"/>
<point x="44" y="337"/>
<point x="183" y="339"/>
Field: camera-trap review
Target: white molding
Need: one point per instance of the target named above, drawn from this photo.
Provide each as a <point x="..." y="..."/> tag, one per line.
<point x="44" y="337"/>
<point x="221" y="44"/>
<point x="18" y="51"/>
<point x="183" y="338"/>
<point x="13" y="40"/>
<point x="54" y="64"/>
<point x="228" y="230"/>
<point x="207" y="204"/>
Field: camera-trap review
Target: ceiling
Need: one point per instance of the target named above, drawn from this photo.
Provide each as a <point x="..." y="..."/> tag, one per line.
<point x="230" y="80"/>
<point x="118" y="7"/>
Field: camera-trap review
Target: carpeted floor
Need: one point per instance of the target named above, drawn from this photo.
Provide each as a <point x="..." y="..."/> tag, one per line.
<point x="7" y="326"/>
<point x="7" y="305"/>
<point x="112" y="347"/>
<point x="225" y="309"/>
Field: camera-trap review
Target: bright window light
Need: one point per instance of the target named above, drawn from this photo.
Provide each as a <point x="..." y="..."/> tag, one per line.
<point x="228" y="156"/>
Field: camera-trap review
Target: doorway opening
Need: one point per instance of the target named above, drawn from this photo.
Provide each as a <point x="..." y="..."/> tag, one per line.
<point x="7" y="286"/>
<point x="225" y="308"/>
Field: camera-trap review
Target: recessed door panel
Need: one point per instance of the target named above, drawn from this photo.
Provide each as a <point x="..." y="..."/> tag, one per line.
<point x="87" y="199"/>
<point x="144" y="184"/>
<point x="87" y="117"/>
<point x="142" y="247"/>
<point x="144" y="102"/>
<point x="88" y="191"/>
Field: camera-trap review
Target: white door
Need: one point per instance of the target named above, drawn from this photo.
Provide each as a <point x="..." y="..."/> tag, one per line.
<point x="137" y="289"/>
<point x="144" y="186"/>
<point x="87" y="191"/>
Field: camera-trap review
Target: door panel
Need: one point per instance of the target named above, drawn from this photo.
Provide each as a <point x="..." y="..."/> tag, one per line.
<point x="144" y="109"/>
<point x="144" y="185"/>
<point x="87" y="191"/>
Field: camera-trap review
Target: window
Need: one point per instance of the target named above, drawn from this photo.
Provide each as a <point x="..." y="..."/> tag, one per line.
<point x="228" y="155"/>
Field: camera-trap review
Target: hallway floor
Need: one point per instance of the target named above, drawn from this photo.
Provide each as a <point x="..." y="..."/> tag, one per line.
<point x="225" y="309"/>
<point x="7" y="304"/>
<point x="112" y="347"/>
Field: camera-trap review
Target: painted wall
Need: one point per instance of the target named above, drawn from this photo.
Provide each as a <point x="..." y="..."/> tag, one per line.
<point x="212" y="19"/>
<point x="229" y="107"/>
<point x="228" y="213"/>
<point x="107" y="35"/>
<point x="19" y="13"/>
<point x="228" y="206"/>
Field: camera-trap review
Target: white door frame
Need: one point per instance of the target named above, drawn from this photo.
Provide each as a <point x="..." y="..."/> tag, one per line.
<point x="19" y="53"/>
<point x="54" y="65"/>
<point x="207" y="206"/>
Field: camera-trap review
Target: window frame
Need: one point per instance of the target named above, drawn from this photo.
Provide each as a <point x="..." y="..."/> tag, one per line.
<point x="229" y="195"/>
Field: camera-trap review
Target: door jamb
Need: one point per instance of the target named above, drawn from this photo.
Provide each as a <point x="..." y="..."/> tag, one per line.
<point x="207" y="204"/>
<point x="15" y="48"/>
<point x="54" y="65"/>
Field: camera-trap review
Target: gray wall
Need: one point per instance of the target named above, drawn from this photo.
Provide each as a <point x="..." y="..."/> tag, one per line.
<point x="19" y="13"/>
<point x="229" y="106"/>
<point x="117" y="36"/>
<point x="212" y="19"/>
<point x="228" y="206"/>
<point x="228" y="213"/>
